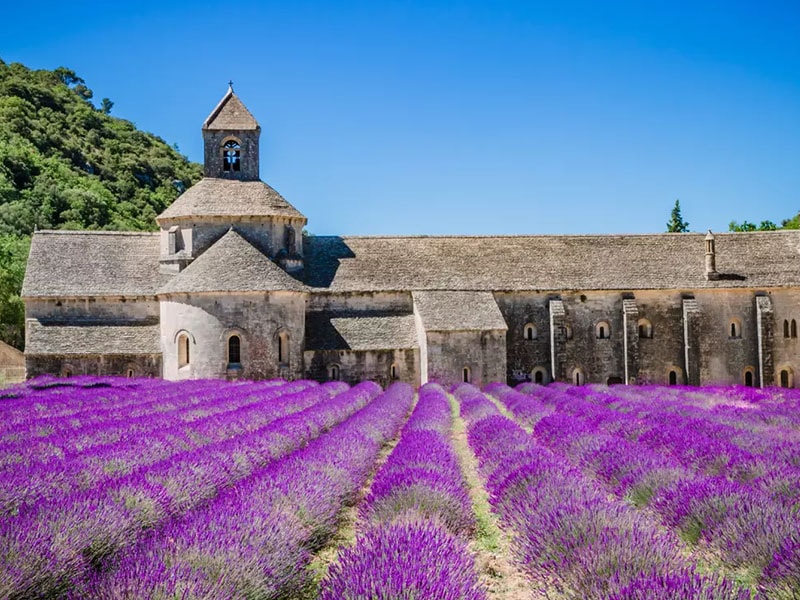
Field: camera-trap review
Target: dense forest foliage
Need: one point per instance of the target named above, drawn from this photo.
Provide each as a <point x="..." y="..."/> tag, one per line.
<point x="68" y="164"/>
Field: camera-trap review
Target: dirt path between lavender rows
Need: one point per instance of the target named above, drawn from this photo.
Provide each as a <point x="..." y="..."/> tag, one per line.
<point x="497" y="569"/>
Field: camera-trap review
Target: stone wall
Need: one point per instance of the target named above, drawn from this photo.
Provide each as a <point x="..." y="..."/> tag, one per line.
<point x="213" y="141"/>
<point x="366" y="365"/>
<point x="362" y="302"/>
<point x="524" y="355"/>
<point x="266" y="234"/>
<point x="120" y="365"/>
<point x="210" y="319"/>
<point x="105" y="310"/>
<point x="691" y="336"/>
<point x="785" y="350"/>
<point x="482" y="352"/>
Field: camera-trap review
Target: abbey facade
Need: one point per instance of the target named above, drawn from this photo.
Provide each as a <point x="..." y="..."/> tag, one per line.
<point x="230" y="288"/>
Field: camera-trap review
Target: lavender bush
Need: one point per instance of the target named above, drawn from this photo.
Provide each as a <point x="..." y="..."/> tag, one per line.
<point x="255" y="539"/>
<point x="415" y="521"/>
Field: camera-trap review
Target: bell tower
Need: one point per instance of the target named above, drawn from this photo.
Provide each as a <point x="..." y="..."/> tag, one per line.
<point x="230" y="137"/>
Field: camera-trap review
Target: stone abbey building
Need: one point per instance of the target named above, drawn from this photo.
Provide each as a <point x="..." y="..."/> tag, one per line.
<point x="230" y="288"/>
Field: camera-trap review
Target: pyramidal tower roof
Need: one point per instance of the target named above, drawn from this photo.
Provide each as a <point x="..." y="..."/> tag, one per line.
<point x="230" y="113"/>
<point x="232" y="264"/>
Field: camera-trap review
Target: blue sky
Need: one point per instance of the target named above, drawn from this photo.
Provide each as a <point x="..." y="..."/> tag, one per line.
<point x="463" y="118"/>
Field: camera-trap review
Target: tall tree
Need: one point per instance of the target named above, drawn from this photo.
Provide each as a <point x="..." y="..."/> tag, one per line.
<point x="676" y="223"/>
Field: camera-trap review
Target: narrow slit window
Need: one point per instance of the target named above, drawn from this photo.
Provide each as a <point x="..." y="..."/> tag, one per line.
<point x="130" y="373"/>
<point x="794" y="328"/>
<point x="283" y="347"/>
<point x="234" y="350"/>
<point x="786" y="328"/>
<point x="466" y="374"/>
<point x="785" y="378"/>
<point x="333" y="373"/>
<point x="645" y="329"/>
<point x="183" y="350"/>
<point x="530" y="332"/>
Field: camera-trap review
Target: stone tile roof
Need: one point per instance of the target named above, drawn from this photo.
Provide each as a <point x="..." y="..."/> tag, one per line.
<point x="331" y="331"/>
<point x="92" y="263"/>
<point x="557" y="262"/>
<point x="214" y="197"/>
<point x="458" y="311"/>
<point x="10" y="356"/>
<point x="91" y="338"/>
<point x="230" y="114"/>
<point x="232" y="264"/>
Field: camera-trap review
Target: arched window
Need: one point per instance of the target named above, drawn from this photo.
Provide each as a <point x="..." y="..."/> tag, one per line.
<point x="749" y="377"/>
<point x="333" y="372"/>
<point x="231" y="156"/>
<point x="539" y="375"/>
<point x="578" y="378"/>
<point x="645" y="329"/>
<point x="602" y="330"/>
<point x="393" y="372"/>
<point x="130" y="373"/>
<point x="183" y="350"/>
<point x="787" y="377"/>
<point x="466" y="375"/>
<point x="673" y="377"/>
<point x="735" y="328"/>
<point x="786" y="328"/>
<point x="794" y="328"/>
<point x="66" y="373"/>
<point x="530" y="332"/>
<point x="234" y="350"/>
<point x="283" y="347"/>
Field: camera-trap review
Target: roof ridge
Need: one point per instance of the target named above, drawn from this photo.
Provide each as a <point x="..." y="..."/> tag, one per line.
<point x="93" y="232"/>
<point x="218" y="107"/>
<point x="250" y="120"/>
<point x="558" y="235"/>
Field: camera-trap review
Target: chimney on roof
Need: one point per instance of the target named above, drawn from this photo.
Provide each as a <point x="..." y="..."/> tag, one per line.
<point x="711" y="258"/>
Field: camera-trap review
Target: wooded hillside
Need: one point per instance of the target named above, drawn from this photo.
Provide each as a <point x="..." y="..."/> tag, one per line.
<point x="68" y="164"/>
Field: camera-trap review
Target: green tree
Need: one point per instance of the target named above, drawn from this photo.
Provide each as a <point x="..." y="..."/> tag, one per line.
<point x="748" y="226"/>
<point x="106" y="105"/>
<point x="676" y="223"/>
<point x="793" y="223"/>
<point x="13" y="255"/>
<point x="66" y="164"/>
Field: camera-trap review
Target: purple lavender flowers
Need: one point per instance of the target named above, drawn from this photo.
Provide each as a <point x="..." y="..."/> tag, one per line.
<point x="415" y="520"/>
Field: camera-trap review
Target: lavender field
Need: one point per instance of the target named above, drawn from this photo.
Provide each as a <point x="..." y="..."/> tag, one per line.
<point x="126" y="489"/>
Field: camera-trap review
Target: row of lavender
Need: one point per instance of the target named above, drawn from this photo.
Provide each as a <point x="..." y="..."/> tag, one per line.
<point x="254" y="540"/>
<point x="570" y="536"/>
<point x="720" y="485"/>
<point x="51" y="544"/>
<point x="415" y="522"/>
<point x="90" y="454"/>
